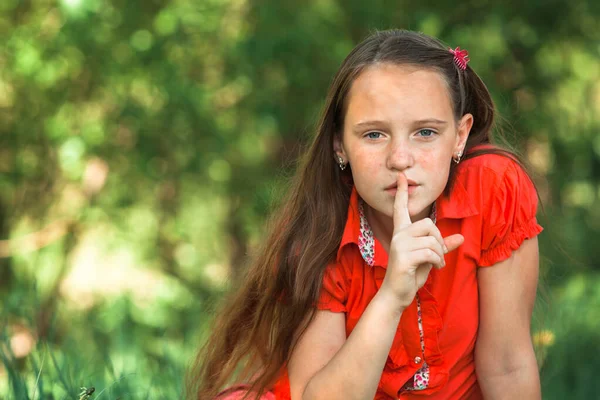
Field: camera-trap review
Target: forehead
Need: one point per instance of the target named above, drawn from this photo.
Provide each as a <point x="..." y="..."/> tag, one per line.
<point x="387" y="91"/>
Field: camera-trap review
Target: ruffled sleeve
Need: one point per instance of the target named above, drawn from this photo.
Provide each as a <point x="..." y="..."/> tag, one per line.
<point x="334" y="292"/>
<point x="510" y="215"/>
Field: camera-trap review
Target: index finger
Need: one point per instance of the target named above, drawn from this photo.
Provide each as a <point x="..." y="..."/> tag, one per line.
<point x="401" y="216"/>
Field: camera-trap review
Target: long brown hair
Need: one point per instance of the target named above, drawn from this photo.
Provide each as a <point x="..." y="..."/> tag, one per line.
<point x="254" y="334"/>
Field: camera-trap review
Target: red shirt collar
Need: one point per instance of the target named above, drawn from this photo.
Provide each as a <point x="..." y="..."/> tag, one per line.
<point x="458" y="203"/>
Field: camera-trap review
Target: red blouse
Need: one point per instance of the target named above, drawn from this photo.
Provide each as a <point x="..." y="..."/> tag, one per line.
<point x="493" y="205"/>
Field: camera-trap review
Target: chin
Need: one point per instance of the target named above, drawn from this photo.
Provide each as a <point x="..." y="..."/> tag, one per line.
<point x="419" y="211"/>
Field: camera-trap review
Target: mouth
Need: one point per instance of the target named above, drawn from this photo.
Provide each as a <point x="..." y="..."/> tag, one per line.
<point x="412" y="185"/>
<point x="393" y="188"/>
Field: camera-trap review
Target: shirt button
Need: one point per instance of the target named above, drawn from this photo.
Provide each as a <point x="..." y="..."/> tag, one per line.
<point x="417" y="360"/>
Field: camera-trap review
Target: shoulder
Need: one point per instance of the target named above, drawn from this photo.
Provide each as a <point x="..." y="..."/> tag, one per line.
<point x="505" y="199"/>
<point x="493" y="173"/>
<point x="497" y="185"/>
<point x="491" y="165"/>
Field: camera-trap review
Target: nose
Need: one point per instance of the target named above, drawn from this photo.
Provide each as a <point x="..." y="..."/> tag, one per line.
<point x="400" y="156"/>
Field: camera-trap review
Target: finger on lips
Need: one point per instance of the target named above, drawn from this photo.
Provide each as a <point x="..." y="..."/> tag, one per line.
<point x="433" y="246"/>
<point x="401" y="214"/>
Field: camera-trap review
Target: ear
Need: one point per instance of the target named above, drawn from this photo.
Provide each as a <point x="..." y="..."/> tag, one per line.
<point x="464" y="128"/>
<point x="338" y="148"/>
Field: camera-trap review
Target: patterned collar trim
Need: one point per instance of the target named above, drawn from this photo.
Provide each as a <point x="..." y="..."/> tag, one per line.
<point x="366" y="240"/>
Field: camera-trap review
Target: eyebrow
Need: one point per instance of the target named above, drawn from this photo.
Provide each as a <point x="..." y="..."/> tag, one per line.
<point x="367" y="124"/>
<point x="430" y="121"/>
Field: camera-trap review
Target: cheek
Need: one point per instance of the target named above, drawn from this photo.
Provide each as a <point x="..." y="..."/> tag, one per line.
<point x="366" y="162"/>
<point x="434" y="159"/>
<point x="436" y="164"/>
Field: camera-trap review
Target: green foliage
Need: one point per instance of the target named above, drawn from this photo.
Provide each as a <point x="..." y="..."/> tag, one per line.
<point x="142" y="145"/>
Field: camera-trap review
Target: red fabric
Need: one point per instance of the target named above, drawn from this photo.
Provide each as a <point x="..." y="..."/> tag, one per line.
<point x="493" y="205"/>
<point x="238" y="392"/>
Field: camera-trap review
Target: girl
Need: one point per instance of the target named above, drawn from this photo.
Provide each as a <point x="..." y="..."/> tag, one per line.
<point x="404" y="261"/>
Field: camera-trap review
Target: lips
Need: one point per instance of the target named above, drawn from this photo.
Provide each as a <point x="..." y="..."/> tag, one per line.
<point x="395" y="185"/>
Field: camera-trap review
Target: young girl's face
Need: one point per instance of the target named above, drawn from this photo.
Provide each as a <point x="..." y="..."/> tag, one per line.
<point x="400" y="119"/>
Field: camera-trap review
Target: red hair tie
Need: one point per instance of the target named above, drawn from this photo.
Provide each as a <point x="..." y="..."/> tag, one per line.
<point x="461" y="57"/>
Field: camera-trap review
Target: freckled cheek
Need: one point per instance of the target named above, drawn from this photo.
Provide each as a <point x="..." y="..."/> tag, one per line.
<point x="366" y="162"/>
<point x="433" y="159"/>
<point x="435" y="167"/>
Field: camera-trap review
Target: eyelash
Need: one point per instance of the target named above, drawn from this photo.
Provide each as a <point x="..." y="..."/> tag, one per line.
<point x="427" y="130"/>
<point x="372" y="132"/>
<point x="367" y="135"/>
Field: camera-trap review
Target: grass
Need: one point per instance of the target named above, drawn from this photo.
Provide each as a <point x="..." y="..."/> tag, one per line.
<point x="108" y="349"/>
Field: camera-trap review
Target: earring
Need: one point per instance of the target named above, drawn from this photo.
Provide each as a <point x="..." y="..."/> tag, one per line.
<point x="458" y="155"/>
<point x="341" y="163"/>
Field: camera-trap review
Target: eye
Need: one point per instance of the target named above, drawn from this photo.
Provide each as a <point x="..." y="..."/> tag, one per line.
<point x="373" y="135"/>
<point x="426" y="133"/>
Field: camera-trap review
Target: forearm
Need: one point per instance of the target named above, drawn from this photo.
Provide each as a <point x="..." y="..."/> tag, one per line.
<point x="519" y="381"/>
<point x="354" y="372"/>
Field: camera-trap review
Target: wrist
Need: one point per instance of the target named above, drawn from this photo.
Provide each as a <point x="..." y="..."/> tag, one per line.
<point x="390" y="301"/>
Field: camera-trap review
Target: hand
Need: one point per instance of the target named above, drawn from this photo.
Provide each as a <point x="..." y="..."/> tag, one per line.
<point x="414" y="250"/>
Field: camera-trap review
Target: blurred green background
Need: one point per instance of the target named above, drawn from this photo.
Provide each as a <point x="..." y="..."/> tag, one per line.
<point x="142" y="144"/>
